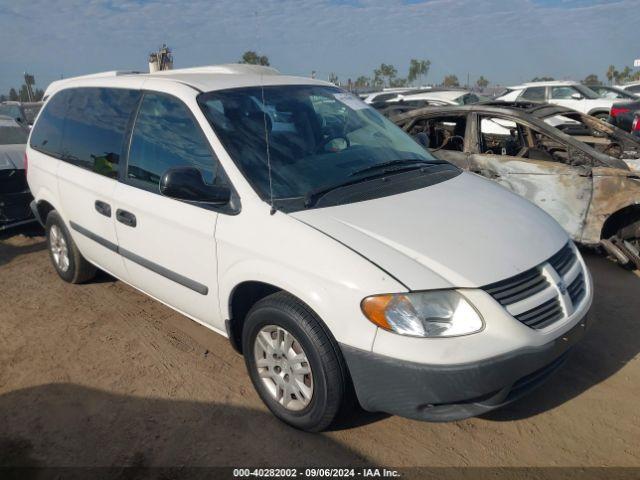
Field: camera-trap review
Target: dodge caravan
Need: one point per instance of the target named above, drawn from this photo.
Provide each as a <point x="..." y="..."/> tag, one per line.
<point x="336" y="254"/>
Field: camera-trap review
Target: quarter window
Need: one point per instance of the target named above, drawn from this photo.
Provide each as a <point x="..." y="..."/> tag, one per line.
<point x="95" y="126"/>
<point x="46" y="136"/>
<point x="166" y="136"/>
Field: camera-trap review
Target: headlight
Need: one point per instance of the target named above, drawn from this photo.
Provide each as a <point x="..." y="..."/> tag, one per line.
<point x="439" y="313"/>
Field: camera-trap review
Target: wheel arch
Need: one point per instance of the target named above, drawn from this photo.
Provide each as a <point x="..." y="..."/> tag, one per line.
<point x="619" y="219"/>
<point x="246" y="294"/>
<point x="241" y="299"/>
<point x="43" y="208"/>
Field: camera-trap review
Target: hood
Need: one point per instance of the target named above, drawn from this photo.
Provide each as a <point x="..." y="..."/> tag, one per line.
<point x="465" y="232"/>
<point x="12" y="157"/>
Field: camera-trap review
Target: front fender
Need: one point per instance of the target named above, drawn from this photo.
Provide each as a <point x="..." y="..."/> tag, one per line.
<point x="324" y="274"/>
<point x="613" y="190"/>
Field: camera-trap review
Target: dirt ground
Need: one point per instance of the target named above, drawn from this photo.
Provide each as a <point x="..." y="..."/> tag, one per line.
<point x="99" y="374"/>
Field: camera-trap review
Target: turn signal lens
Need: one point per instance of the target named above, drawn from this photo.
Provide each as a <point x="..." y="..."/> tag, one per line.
<point x="374" y="309"/>
<point x="440" y="313"/>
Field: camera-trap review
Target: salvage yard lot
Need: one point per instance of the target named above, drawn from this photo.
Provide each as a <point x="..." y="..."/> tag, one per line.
<point x="99" y="374"/>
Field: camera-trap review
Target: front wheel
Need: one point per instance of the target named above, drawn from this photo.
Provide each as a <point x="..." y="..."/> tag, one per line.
<point x="294" y="364"/>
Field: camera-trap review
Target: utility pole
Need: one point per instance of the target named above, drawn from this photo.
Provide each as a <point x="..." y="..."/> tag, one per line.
<point x="29" y="81"/>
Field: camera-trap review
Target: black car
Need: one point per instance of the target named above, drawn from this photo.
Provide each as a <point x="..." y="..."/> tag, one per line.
<point x="14" y="191"/>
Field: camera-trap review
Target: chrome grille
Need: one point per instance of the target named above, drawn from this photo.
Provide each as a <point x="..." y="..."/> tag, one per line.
<point x="563" y="260"/>
<point x="577" y="289"/>
<point x="543" y="315"/>
<point x="540" y="296"/>
<point x="517" y="288"/>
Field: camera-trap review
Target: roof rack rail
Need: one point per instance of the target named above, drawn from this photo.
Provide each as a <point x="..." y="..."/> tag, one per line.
<point x="228" y="68"/>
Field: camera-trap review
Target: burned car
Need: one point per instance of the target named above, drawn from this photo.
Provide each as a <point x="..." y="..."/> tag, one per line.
<point x="14" y="191"/>
<point x="594" y="196"/>
<point x="603" y="136"/>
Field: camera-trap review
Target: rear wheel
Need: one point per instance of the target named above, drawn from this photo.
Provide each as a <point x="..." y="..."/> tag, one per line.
<point x="65" y="256"/>
<point x="295" y="365"/>
<point x="602" y="116"/>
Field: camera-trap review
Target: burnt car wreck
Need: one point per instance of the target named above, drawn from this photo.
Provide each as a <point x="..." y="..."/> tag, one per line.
<point x="14" y="191"/>
<point x="575" y="167"/>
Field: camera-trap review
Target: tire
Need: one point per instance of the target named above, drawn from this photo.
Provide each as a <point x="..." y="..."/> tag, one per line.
<point x="601" y="115"/>
<point x="75" y="269"/>
<point x="315" y="407"/>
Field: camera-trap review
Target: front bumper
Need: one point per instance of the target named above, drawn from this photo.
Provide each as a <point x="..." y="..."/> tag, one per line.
<point x="453" y="392"/>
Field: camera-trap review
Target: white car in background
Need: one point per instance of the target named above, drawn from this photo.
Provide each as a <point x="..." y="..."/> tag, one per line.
<point x="386" y="94"/>
<point x="572" y="95"/>
<point x="438" y="96"/>
<point x="633" y="87"/>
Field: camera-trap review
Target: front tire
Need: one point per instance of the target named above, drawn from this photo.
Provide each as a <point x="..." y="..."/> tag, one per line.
<point x="65" y="256"/>
<point x="295" y="365"/>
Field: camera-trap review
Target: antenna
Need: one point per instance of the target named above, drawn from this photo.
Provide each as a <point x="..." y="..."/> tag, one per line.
<point x="264" y="117"/>
<point x="266" y="139"/>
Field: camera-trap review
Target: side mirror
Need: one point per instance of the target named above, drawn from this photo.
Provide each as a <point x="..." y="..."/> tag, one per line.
<point x="186" y="183"/>
<point x="576" y="96"/>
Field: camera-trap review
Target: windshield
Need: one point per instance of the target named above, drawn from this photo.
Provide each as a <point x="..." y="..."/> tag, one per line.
<point x="12" y="135"/>
<point x="316" y="136"/>
<point x="587" y="92"/>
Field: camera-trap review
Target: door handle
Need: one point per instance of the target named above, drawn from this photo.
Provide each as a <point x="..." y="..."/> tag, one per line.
<point x="128" y="218"/>
<point x="103" y="208"/>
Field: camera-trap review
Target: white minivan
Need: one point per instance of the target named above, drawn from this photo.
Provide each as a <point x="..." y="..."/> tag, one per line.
<point x="332" y="250"/>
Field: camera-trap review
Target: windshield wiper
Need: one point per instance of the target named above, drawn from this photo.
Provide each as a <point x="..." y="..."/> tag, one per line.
<point x="314" y="195"/>
<point x="395" y="165"/>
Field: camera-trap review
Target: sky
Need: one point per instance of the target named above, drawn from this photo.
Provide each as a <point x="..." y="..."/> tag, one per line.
<point x="506" y="41"/>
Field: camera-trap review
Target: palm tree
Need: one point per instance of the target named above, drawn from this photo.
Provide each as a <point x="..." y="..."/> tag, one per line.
<point x="612" y="74"/>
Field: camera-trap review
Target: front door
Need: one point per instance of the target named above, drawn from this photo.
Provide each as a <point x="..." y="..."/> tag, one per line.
<point x="168" y="245"/>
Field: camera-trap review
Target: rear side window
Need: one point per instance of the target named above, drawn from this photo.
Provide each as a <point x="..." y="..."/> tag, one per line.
<point x="95" y="127"/>
<point x="535" y="94"/>
<point x="166" y="136"/>
<point x="46" y="136"/>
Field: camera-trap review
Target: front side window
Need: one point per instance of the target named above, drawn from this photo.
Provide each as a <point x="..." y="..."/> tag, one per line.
<point x="311" y="136"/>
<point x="166" y="136"/>
<point x="441" y="133"/>
<point x="535" y="94"/>
<point x="95" y="126"/>
<point x="500" y="136"/>
<point x="46" y="135"/>
<point x="564" y="93"/>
